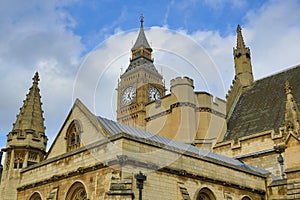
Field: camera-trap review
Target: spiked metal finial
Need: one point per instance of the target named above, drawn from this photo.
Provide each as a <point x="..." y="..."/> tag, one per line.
<point x="142" y="20"/>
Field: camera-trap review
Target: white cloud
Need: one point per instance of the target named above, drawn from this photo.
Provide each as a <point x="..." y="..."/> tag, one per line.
<point x="273" y="33"/>
<point x="36" y="36"/>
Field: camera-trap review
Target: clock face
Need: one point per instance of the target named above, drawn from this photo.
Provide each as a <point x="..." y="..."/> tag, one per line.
<point x="128" y="95"/>
<point x="153" y="94"/>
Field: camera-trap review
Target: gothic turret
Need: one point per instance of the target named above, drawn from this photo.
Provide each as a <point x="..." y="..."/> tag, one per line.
<point x="30" y="117"/>
<point x="242" y="60"/>
<point x="26" y="143"/>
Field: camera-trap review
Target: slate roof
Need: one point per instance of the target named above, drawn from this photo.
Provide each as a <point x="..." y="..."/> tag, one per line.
<point x="141" y="41"/>
<point x="115" y="128"/>
<point x="262" y="107"/>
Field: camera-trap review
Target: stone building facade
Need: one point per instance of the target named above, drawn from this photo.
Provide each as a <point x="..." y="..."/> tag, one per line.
<point x="185" y="145"/>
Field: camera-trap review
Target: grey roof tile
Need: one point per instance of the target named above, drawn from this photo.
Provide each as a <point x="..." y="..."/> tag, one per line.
<point x="115" y="128"/>
<point x="262" y="107"/>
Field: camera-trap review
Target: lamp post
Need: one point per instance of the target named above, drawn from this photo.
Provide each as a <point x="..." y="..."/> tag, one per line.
<point x="281" y="163"/>
<point x="140" y="178"/>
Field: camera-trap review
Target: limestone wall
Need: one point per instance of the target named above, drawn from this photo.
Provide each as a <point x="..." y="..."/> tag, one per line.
<point x="168" y="171"/>
<point x="91" y="131"/>
<point x="257" y="150"/>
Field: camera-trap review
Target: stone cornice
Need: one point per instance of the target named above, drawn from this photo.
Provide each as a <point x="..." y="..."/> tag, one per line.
<point x="147" y="142"/>
<point x="292" y="170"/>
<point x="54" y="178"/>
<point x="185" y="104"/>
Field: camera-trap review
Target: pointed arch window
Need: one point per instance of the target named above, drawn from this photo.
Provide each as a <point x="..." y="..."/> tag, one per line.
<point x="73" y="136"/>
<point x="36" y="196"/>
<point x="246" y="198"/>
<point x="77" y="192"/>
<point x="205" y="194"/>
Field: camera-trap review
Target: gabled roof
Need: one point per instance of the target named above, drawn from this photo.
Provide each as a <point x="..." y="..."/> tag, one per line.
<point x="114" y="128"/>
<point x="262" y="107"/>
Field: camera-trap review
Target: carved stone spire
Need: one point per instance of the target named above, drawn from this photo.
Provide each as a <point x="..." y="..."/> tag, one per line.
<point x="26" y="143"/>
<point x="31" y="113"/>
<point x="242" y="60"/>
<point x="292" y="114"/>
<point x="240" y="40"/>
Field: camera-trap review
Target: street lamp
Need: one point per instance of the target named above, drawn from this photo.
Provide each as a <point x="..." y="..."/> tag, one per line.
<point x="140" y="178"/>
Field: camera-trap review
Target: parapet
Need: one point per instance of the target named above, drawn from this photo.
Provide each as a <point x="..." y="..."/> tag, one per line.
<point x="182" y="81"/>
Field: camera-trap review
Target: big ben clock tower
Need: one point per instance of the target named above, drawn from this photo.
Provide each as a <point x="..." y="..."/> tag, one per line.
<point x="140" y="84"/>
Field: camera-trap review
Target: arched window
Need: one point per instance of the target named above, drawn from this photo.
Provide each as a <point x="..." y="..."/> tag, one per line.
<point x="73" y="136"/>
<point x="35" y="196"/>
<point x="205" y="194"/>
<point x="18" y="164"/>
<point x="77" y="192"/>
<point x="246" y="198"/>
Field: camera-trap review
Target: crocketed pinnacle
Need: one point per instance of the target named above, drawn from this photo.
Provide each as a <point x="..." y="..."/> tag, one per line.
<point x="240" y="41"/>
<point x="141" y="40"/>
<point x="31" y="114"/>
<point x="291" y="109"/>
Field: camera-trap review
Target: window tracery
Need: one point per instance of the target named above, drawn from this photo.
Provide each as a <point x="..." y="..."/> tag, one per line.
<point x="73" y="136"/>
<point x="19" y="159"/>
<point x="35" y="196"/>
<point x="206" y="194"/>
<point x="77" y="192"/>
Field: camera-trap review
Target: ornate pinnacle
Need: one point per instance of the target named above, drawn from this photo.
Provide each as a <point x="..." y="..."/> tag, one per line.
<point x="36" y="78"/>
<point x="288" y="88"/>
<point x="292" y="114"/>
<point x="240" y="40"/>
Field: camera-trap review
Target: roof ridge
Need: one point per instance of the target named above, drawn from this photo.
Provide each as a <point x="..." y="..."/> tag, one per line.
<point x="173" y="143"/>
<point x="278" y="72"/>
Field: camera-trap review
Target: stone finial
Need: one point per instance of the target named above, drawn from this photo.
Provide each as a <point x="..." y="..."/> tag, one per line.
<point x="142" y="20"/>
<point x="288" y="88"/>
<point x="36" y="78"/>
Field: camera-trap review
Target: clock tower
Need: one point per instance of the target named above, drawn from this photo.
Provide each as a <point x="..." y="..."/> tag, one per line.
<point x="140" y="84"/>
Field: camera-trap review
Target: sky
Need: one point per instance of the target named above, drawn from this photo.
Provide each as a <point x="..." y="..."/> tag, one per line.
<point x="80" y="48"/>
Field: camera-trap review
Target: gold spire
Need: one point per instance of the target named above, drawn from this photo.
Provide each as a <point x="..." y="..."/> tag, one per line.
<point x="31" y="113"/>
<point x="291" y="109"/>
<point x="240" y="40"/>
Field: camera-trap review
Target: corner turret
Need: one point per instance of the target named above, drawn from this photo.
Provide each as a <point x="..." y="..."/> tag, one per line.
<point x="243" y="73"/>
<point x="26" y="143"/>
